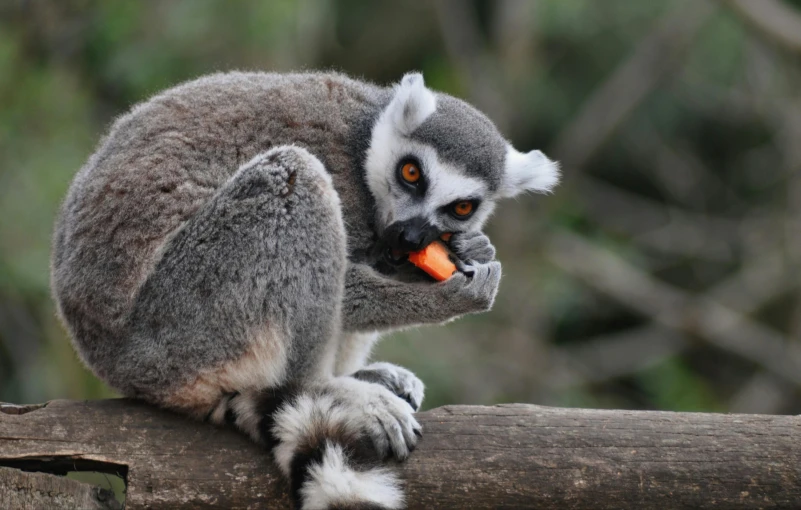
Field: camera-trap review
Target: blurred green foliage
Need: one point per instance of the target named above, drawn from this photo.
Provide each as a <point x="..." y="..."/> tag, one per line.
<point x="690" y="188"/>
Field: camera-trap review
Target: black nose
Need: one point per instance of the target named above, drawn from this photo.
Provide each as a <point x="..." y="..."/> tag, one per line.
<point x="410" y="235"/>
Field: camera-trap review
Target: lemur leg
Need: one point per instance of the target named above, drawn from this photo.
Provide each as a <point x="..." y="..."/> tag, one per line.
<point x="354" y="351"/>
<point x="247" y="293"/>
<point x="239" y="322"/>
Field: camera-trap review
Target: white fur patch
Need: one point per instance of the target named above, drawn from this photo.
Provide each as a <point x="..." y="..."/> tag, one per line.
<point x="531" y="171"/>
<point x="412" y="104"/>
<point x="247" y="416"/>
<point x="354" y="350"/>
<point x="300" y="419"/>
<point x="334" y="483"/>
<point x="446" y="183"/>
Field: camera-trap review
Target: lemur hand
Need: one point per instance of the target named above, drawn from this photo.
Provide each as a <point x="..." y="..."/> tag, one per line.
<point x="473" y="289"/>
<point x="472" y="246"/>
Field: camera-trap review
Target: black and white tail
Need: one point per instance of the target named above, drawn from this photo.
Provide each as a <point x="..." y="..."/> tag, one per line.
<point x="319" y="444"/>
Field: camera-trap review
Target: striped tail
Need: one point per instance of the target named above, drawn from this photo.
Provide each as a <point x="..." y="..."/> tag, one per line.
<point x="320" y="446"/>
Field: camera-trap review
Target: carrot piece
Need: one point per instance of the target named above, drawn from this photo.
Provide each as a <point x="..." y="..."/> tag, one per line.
<point x="433" y="259"/>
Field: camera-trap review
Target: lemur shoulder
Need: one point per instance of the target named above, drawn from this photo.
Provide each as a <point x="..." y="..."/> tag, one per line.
<point x="236" y="244"/>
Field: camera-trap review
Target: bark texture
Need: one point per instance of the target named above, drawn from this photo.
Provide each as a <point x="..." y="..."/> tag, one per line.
<point x="20" y="490"/>
<point x="507" y="456"/>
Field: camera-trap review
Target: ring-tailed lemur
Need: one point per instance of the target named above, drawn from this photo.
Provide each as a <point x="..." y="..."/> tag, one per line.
<point x="235" y="243"/>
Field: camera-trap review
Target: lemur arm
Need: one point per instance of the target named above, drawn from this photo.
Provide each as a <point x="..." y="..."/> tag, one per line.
<point x="374" y="303"/>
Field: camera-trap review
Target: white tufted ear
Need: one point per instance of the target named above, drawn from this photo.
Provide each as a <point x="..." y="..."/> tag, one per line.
<point x="412" y="104"/>
<point x="531" y="171"/>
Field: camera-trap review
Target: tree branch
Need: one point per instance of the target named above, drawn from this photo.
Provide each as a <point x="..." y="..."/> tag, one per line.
<point x="658" y="55"/>
<point x="670" y="306"/>
<point x="511" y="456"/>
<point x="775" y="20"/>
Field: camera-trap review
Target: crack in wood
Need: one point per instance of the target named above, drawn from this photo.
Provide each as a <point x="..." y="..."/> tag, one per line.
<point x="20" y="409"/>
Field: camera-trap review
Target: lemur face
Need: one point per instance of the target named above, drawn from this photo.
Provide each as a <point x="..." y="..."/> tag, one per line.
<point x="422" y="196"/>
<point x="436" y="165"/>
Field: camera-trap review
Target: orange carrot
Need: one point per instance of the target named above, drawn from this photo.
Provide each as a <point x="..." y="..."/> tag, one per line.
<point x="433" y="259"/>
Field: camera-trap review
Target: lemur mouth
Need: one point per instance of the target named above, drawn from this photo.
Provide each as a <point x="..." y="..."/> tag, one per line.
<point x="395" y="257"/>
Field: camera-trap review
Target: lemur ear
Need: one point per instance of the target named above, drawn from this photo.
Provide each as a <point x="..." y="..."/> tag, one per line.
<point x="412" y="104"/>
<point x="531" y="171"/>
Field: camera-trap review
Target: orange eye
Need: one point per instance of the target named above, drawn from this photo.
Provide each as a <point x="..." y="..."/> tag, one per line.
<point x="410" y="173"/>
<point x="463" y="208"/>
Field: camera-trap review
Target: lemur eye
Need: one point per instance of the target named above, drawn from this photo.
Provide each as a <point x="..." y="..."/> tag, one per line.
<point x="410" y="173"/>
<point x="463" y="209"/>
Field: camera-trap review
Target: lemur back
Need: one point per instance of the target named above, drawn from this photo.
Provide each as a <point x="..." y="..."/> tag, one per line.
<point x="232" y="245"/>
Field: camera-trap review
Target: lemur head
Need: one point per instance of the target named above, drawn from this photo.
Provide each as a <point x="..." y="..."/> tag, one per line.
<point x="436" y="164"/>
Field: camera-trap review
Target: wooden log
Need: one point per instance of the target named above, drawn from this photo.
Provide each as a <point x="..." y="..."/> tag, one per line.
<point x="507" y="456"/>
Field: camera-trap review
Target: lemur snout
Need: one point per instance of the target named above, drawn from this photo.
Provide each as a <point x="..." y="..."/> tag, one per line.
<point x="410" y="235"/>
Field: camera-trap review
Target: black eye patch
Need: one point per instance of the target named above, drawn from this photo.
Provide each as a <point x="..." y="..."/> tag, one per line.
<point x="411" y="176"/>
<point x="462" y="209"/>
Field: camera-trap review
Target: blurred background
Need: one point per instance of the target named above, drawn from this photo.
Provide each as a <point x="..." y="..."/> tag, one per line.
<point x="662" y="274"/>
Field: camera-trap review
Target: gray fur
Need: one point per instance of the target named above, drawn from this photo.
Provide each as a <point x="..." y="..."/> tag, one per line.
<point x="245" y="256"/>
<point x="465" y="136"/>
<point x="223" y="245"/>
<point x="160" y="166"/>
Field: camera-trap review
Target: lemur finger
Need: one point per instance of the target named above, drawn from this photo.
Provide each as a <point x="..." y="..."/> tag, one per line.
<point x="463" y="267"/>
<point x="411" y="432"/>
<point x="485" y="273"/>
<point x="397" y="439"/>
<point x="407" y="426"/>
<point x="398" y="428"/>
<point x="475" y="290"/>
<point x="484" y="285"/>
<point x="416" y="392"/>
<point x="473" y="246"/>
<point x="413" y="396"/>
<point x="406" y="421"/>
<point x="379" y="437"/>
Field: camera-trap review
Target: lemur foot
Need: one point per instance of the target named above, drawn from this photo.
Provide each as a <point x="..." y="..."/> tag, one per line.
<point x="398" y="380"/>
<point x="385" y="418"/>
<point x="472" y="246"/>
